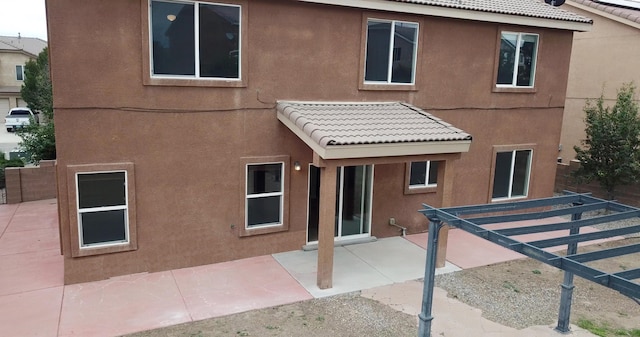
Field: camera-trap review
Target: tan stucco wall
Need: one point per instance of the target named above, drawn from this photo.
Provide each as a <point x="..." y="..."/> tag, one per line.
<point x="187" y="142"/>
<point x="602" y="60"/>
<point x="8" y="63"/>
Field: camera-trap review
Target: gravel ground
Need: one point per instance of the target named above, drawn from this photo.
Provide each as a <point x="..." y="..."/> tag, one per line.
<point x="344" y="315"/>
<point x="526" y="292"/>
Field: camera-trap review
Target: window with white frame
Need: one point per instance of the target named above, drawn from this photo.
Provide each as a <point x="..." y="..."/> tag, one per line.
<point x="192" y="39"/>
<point x="423" y="174"/>
<point x="511" y="174"/>
<point x="264" y="195"/>
<point x="19" y="73"/>
<point x="102" y="208"/>
<point x="517" y="59"/>
<point x="391" y="51"/>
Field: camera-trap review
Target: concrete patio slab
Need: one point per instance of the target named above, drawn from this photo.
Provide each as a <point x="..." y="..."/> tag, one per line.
<point x="37" y="240"/>
<point x="30" y="271"/>
<point x="350" y="273"/>
<point x="33" y="313"/>
<point x="236" y="286"/>
<point x="360" y="266"/>
<point x="396" y="258"/>
<point x="122" y="305"/>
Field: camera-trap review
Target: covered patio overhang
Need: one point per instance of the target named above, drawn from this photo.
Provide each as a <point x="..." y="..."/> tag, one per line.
<point x="477" y="220"/>
<point x="365" y="133"/>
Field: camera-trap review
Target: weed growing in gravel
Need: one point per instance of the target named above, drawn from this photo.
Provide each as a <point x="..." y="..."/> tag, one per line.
<point x="510" y="286"/>
<point x="536" y="271"/>
<point x="603" y="330"/>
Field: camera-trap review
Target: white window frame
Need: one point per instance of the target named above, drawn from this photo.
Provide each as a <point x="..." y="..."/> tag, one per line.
<point x="81" y="211"/>
<point x="21" y="73"/>
<point x="426" y="176"/>
<point x="196" y="23"/>
<point x="391" y="53"/>
<point x="511" y="171"/>
<point x="248" y="196"/>
<point x="514" y="79"/>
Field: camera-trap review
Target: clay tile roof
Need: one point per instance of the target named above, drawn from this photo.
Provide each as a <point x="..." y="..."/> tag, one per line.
<point x="368" y="123"/>
<point x="622" y="12"/>
<point x="529" y="8"/>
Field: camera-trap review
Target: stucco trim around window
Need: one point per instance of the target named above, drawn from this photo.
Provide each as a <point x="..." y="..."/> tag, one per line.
<point x="148" y="78"/>
<point x="244" y="229"/>
<point x="78" y="249"/>
<point x="429" y="186"/>
<point x="530" y="171"/>
<point x="389" y="85"/>
<point x="513" y="85"/>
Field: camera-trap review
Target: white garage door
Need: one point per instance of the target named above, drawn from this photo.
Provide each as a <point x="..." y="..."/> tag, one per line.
<point x="4" y="106"/>
<point x="21" y="102"/>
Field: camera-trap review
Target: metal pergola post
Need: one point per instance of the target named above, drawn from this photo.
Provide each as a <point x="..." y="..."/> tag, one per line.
<point x="424" y="329"/>
<point x="566" y="296"/>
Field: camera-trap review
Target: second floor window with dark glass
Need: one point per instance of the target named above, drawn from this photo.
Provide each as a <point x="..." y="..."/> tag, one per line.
<point x="517" y="59"/>
<point x="391" y="52"/>
<point x="195" y="39"/>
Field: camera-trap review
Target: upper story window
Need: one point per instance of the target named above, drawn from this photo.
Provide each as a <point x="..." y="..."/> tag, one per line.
<point x="517" y="59"/>
<point x="19" y="73"/>
<point x="195" y="40"/>
<point x="391" y="51"/>
<point x="423" y="174"/>
<point x="511" y="174"/>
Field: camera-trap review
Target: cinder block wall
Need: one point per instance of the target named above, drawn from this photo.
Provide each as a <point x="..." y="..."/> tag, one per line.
<point x="629" y="194"/>
<point x="31" y="183"/>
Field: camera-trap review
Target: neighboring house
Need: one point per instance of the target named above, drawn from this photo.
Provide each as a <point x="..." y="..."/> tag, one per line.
<point x="603" y="59"/>
<point x="14" y="54"/>
<point x="193" y="132"/>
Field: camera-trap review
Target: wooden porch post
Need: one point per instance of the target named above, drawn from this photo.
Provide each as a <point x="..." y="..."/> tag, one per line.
<point x="445" y="189"/>
<point x="326" y="225"/>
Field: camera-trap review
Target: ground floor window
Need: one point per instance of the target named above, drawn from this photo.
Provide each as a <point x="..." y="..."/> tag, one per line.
<point x="103" y="217"/>
<point x="102" y="208"/>
<point x="264" y="194"/>
<point x="423" y="174"/>
<point x="511" y="174"/>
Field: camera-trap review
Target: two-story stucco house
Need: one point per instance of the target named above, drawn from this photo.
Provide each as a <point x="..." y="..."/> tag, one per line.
<point x="194" y="132"/>
<point x="15" y="52"/>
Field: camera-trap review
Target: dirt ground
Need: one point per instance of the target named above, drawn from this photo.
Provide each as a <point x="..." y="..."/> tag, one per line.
<point x="518" y="293"/>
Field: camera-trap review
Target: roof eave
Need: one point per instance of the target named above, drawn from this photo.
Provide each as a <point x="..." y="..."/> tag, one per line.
<point x="457" y="13"/>
<point x="393" y="149"/>
<point x="604" y="14"/>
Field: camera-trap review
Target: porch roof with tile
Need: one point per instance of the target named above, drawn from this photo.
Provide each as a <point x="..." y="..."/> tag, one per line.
<point x="338" y="130"/>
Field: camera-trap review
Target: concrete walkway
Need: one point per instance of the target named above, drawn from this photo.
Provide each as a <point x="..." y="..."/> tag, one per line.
<point x="34" y="301"/>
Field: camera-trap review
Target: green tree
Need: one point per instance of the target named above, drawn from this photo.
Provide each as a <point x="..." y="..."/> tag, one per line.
<point x="38" y="139"/>
<point x="611" y="150"/>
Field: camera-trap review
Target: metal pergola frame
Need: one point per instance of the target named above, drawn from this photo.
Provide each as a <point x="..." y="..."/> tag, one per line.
<point x="467" y="219"/>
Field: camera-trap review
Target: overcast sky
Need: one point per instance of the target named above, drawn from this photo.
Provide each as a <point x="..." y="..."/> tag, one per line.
<point x="26" y="17"/>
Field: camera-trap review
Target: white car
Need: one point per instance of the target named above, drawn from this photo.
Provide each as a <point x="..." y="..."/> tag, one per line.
<point x="18" y="117"/>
